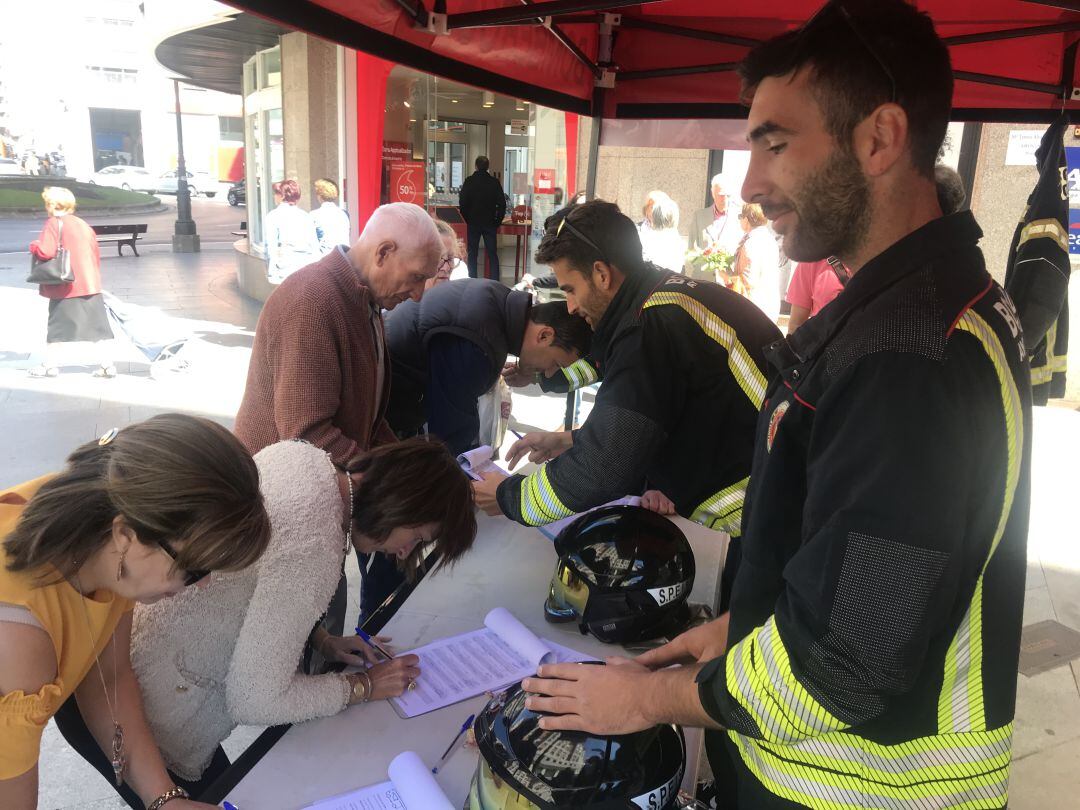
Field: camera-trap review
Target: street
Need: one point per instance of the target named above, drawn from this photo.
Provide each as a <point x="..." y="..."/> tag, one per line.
<point x="215" y="219"/>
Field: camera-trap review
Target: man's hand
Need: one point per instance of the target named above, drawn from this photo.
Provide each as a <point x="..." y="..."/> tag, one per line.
<point x="656" y="501"/>
<point x="587" y="697"/>
<point x="484" y="492"/>
<point x="697" y="645"/>
<point x="541" y="446"/>
<point x="514" y="376"/>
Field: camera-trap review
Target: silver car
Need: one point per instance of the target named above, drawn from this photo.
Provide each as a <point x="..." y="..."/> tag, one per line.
<point x="129" y="178"/>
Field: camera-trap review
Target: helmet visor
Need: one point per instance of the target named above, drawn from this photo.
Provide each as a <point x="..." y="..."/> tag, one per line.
<point x="568" y="595"/>
<point x="489" y="792"/>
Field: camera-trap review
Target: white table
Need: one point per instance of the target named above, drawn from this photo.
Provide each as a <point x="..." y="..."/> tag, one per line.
<point x="509" y="566"/>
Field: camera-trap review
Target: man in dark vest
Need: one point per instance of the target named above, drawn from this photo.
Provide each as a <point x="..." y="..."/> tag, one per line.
<point x="483" y="206"/>
<point x="449" y="348"/>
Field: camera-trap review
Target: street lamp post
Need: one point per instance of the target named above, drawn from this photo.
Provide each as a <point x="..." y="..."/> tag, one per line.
<point x="185" y="236"/>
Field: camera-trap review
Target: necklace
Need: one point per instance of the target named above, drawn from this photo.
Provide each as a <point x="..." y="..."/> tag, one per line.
<point x="119" y="758"/>
<point x="352" y="507"/>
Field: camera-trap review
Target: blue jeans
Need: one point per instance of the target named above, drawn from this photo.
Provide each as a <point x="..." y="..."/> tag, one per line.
<point x="489" y="234"/>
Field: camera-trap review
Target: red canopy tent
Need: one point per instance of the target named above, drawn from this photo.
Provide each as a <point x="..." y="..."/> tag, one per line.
<point x="1014" y="60"/>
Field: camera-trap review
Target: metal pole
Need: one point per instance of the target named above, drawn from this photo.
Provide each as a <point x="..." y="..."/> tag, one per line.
<point x="185" y="236"/>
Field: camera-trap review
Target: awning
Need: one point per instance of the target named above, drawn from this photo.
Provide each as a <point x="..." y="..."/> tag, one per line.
<point x="1014" y="60"/>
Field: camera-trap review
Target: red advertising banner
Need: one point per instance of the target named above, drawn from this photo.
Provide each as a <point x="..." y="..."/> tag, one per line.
<point x="407" y="182"/>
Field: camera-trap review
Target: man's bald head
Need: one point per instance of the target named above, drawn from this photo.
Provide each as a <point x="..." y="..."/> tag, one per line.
<point x="398" y="251"/>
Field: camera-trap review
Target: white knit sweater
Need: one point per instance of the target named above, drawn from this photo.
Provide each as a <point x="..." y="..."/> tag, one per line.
<point x="227" y="654"/>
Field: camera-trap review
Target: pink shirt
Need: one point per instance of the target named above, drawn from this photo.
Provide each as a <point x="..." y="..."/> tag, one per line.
<point x="813" y="285"/>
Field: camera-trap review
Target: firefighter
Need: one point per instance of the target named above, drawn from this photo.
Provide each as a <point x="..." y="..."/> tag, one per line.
<point x="870" y="655"/>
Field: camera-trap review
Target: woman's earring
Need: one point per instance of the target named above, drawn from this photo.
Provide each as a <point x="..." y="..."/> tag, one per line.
<point x="120" y="565"/>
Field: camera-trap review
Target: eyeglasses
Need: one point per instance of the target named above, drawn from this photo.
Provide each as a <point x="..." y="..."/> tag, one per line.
<point x="849" y="21"/>
<point x="190" y="577"/>
<point x="445" y="266"/>
<point x="565" y="222"/>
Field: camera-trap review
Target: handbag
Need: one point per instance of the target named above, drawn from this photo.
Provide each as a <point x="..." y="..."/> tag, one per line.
<point x="56" y="270"/>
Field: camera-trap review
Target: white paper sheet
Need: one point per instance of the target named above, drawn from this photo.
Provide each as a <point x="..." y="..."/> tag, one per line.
<point x="552" y="529"/>
<point x="410" y="787"/>
<point x="461" y="667"/>
<point x="479" y="460"/>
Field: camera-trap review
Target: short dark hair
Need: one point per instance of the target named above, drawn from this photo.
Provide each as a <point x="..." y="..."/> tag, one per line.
<point x="482" y="163"/>
<point x="613" y="236"/>
<point x="572" y="332"/>
<point x="409" y="483"/>
<point x="950" y="189"/>
<point x="175" y="479"/>
<point x="862" y="54"/>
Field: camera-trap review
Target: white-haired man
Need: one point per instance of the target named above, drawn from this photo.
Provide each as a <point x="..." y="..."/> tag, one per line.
<point x="719" y="222"/>
<point x="319" y="369"/>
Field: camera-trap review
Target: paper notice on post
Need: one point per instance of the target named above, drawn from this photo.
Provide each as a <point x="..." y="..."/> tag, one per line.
<point x="479" y="460"/>
<point x="487" y="660"/>
<point x="552" y="529"/>
<point x="410" y="787"/>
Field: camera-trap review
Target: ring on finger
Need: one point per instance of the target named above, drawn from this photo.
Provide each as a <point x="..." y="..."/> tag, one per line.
<point x="412" y="684"/>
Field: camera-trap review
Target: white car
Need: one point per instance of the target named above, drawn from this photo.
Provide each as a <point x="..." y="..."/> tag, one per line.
<point x="10" y="166"/>
<point x="129" y="178"/>
<point x="198" y="183"/>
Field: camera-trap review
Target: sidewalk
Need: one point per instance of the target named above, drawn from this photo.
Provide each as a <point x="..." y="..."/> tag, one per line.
<point x="42" y="420"/>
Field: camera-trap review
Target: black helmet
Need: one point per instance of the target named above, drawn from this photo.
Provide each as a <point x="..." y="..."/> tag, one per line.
<point x="523" y="767"/>
<point x="624" y="574"/>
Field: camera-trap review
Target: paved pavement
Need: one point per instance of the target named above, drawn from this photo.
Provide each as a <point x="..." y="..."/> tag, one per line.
<point x="41" y="420"/>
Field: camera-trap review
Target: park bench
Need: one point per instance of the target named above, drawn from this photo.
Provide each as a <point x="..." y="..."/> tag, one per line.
<point x="121" y="234"/>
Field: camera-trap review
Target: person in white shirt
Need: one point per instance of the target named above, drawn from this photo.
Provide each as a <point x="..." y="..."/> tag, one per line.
<point x="661" y="242"/>
<point x="331" y="221"/>
<point x="288" y="233"/>
<point x="756" y="273"/>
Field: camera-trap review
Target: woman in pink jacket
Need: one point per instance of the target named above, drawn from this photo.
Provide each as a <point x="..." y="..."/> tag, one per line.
<point x="76" y="310"/>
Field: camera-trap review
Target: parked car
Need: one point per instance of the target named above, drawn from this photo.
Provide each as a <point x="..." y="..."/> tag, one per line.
<point x="129" y="178"/>
<point x="198" y="183"/>
<point x="10" y="166"/>
<point x="238" y="193"/>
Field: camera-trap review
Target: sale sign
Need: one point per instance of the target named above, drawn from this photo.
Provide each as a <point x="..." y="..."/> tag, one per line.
<point x="407" y="181"/>
<point x="544" y="181"/>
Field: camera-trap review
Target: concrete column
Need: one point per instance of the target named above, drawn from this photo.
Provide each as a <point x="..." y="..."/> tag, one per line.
<point x="309" y="102"/>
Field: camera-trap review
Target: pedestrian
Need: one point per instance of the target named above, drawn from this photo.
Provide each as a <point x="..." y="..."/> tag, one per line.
<point x="813" y="285"/>
<point x="870" y="655"/>
<point x="661" y="242"/>
<point x="288" y="234"/>
<point x="451" y="267"/>
<point x="755" y="273"/>
<point x="331" y="221"/>
<point x="716" y="225"/>
<point x="138" y="516"/>
<point x="319" y="368"/>
<point x="76" y="310"/>
<point x="483" y="206"/>
<point x="227" y="654"/>
<point x="683" y="380"/>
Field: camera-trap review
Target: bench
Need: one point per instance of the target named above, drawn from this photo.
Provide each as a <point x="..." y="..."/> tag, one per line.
<point x="121" y="234"/>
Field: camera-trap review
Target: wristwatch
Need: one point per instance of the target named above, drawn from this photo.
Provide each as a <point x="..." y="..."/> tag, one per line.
<point x="361" y="687"/>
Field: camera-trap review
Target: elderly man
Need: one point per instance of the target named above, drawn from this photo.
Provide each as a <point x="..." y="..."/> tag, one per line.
<point x="717" y="223"/>
<point x="319" y="368"/>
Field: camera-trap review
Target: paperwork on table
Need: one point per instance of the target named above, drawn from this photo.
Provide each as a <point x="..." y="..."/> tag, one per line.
<point x="552" y="529"/>
<point x="410" y="787"/>
<point x="487" y="660"/>
<point x="479" y="460"/>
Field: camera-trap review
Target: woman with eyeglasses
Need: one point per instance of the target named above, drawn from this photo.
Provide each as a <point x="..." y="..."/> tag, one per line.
<point x="451" y="267"/>
<point x="232" y="653"/>
<point x="134" y="517"/>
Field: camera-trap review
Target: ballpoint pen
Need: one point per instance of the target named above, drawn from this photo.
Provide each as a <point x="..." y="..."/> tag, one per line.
<point x="373" y="643"/>
<point x="450" y="748"/>
<point x="516" y="433"/>
<point x="229" y="806"/>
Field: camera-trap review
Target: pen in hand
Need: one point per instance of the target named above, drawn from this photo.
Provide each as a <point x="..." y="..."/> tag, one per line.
<point x="374" y="644"/>
<point x="450" y="748"/>
<point x="516" y="433"/>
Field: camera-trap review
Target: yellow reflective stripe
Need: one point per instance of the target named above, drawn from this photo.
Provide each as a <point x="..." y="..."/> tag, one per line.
<point x="579" y="374"/>
<point x="746" y="373"/>
<point x="960" y="704"/>
<point x="845" y="771"/>
<point x="539" y="503"/>
<point x="1045" y="229"/>
<point x="1055" y="363"/>
<point x="723" y="511"/>
<point x="758" y="675"/>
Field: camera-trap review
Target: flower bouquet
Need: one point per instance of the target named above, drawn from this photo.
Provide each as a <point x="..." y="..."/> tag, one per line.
<point x="706" y="262"/>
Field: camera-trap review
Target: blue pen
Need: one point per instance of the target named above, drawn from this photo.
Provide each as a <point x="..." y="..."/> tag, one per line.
<point x="373" y="643"/>
<point x="516" y="433"/>
<point x="450" y="749"/>
<point x="229" y="806"/>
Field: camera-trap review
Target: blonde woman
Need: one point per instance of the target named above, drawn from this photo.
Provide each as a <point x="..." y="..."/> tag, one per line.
<point x="451" y="267"/>
<point x="137" y="516"/>
<point x="331" y="221"/>
<point x="76" y="310"/>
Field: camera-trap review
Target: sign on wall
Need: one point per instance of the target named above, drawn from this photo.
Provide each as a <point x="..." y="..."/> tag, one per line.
<point x="1072" y="160"/>
<point x="1022" y="146"/>
<point x="407" y="181"/>
<point x="544" y="182"/>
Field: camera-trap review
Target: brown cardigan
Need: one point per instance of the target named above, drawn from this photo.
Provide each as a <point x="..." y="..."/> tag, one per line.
<point x="314" y="370"/>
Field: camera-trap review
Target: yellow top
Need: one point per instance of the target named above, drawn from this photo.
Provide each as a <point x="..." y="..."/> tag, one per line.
<point x="59" y="610"/>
